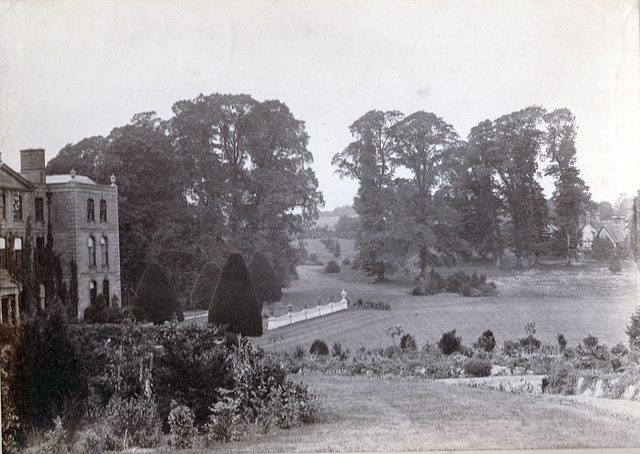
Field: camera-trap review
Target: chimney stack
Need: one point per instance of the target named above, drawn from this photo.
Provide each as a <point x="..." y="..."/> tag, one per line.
<point x="32" y="165"/>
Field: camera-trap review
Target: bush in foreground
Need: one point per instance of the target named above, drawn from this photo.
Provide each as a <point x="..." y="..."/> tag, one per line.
<point x="319" y="348"/>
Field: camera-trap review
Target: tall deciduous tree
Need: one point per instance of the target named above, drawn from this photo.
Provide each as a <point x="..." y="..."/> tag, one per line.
<point x="423" y="144"/>
<point x="369" y="160"/>
<point x="249" y="174"/>
<point x="479" y="200"/>
<point x="235" y="304"/>
<point x="571" y="195"/>
<point x="517" y="143"/>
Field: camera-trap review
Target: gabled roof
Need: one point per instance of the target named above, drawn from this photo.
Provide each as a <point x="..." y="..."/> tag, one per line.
<point x="615" y="233"/>
<point x="10" y="179"/>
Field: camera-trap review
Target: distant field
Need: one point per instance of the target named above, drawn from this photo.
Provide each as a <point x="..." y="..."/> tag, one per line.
<point x="576" y="301"/>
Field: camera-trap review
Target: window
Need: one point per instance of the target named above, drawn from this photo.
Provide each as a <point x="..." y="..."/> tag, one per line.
<point x="105" y="292"/>
<point x="104" y="251"/>
<point x="103" y="210"/>
<point x="93" y="292"/>
<point x="90" y="211"/>
<point x="17" y="247"/>
<point x="39" y="209"/>
<point x="3" y="206"/>
<point x="91" y="243"/>
<point x="40" y="250"/>
<point x="3" y="252"/>
<point x="17" y="208"/>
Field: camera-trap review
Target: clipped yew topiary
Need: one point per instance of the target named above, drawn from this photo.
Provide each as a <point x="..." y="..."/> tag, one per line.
<point x="265" y="281"/>
<point x="157" y="297"/>
<point x="205" y="286"/>
<point x="234" y="302"/>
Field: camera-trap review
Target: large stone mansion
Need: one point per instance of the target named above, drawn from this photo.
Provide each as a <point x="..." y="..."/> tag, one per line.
<point x="84" y="226"/>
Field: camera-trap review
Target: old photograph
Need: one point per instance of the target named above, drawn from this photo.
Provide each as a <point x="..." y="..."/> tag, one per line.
<point x="319" y="226"/>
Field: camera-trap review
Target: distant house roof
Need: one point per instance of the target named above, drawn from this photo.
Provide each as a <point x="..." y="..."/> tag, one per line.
<point x="615" y="233"/>
<point x="53" y="179"/>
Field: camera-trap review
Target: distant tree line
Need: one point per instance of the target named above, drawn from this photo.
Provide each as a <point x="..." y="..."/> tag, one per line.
<point x="424" y="191"/>
<point x="224" y="174"/>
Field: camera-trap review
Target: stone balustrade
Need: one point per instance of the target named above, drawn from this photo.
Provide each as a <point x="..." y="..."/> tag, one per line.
<point x="306" y="314"/>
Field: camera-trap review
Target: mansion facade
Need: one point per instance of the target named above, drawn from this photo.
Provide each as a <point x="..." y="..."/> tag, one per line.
<point x="84" y="227"/>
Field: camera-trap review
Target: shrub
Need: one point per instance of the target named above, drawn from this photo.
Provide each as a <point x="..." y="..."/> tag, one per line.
<point x="562" y="379"/>
<point x="336" y="250"/>
<point x="55" y="439"/>
<point x="50" y="369"/>
<point x="530" y="343"/>
<point x="156" y="296"/>
<point x="11" y="386"/>
<point x="408" y="343"/>
<point x="314" y="259"/>
<point x="332" y="267"/>
<point x="454" y="282"/>
<point x="633" y="330"/>
<point x="336" y="349"/>
<point x="265" y="281"/>
<point x="235" y="304"/>
<point x="478" y="367"/>
<point x="97" y="310"/>
<point x="182" y="428"/>
<point x="223" y="422"/>
<point x="562" y="342"/>
<point x="131" y="422"/>
<point x="450" y="343"/>
<point x="375" y="305"/>
<point x="191" y="369"/>
<point x="486" y="342"/>
<point x="346" y="261"/>
<point x="298" y="352"/>
<point x="429" y="284"/>
<point x="615" y="264"/>
<point x="205" y="286"/>
<point x="319" y="348"/>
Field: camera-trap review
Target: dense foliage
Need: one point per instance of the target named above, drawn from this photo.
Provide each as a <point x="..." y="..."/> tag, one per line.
<point x="205" y="286"/>
<point x="234" y="303"/>
<point x="423" y="191"/>
<point x="224" y="173"/>
<point x="120" y="386"/>
<point x="265" y="280"/>
<point x="157" y="297"/>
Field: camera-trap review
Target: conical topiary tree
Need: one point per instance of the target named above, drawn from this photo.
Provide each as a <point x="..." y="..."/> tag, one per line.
<point x="265" y="281"/>
<point x="234" y="302"/>
<point x="156" y="296"/>
<point x="205" y="286"/>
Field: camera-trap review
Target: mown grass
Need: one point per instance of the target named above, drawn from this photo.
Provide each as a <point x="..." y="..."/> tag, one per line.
<point x="576" y="301"/>
<point x="365" y="414"/>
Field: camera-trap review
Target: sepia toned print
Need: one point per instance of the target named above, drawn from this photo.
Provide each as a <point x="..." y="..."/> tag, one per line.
<point x="355" y="226"/>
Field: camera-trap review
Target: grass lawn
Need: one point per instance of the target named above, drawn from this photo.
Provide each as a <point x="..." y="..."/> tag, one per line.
<point x="366" y="414"/>
<point x="576" y="301"/>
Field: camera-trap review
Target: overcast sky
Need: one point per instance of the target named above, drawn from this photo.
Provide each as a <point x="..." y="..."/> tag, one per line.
<point x="71" y="70"/>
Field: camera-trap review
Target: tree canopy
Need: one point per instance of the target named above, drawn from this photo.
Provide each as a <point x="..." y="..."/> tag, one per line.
<point x="224" y="173"/>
